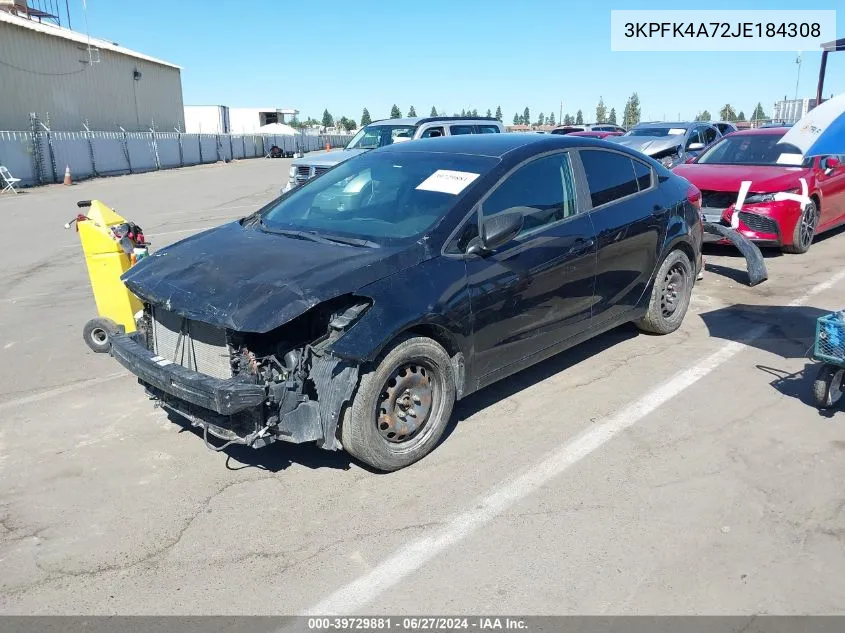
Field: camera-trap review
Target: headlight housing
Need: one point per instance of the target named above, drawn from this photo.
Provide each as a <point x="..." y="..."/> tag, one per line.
<point x="756" y="198"/>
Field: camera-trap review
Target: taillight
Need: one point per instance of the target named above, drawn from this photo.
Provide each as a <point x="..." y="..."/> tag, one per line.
<point x="694" y="196"/>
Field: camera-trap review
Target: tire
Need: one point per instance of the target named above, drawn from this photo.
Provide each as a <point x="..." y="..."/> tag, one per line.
<point x="420" y="371"/>
<point x="827" y="388"/>
<point x="804" y="232"/>
<point x="670" y="295"/>
<point x="97" y="334"/>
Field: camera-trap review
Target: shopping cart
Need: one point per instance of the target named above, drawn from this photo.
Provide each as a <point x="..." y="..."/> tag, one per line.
<point x="829" y="348"/>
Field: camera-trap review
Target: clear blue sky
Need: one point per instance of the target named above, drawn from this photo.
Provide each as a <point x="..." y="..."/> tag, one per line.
<point x="451" y="54"/>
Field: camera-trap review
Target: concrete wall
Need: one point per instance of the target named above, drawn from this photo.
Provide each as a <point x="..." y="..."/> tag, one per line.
<point x="47" y="74"/>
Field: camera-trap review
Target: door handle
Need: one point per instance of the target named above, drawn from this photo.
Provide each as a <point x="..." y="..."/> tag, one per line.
<point x="580" y="245"/>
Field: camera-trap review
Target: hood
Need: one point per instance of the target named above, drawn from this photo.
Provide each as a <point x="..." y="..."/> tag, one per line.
<point x="764" y="178"/>
<point x="246" y="280"/>
<point x="329" y="159"/>
<point x="649" y="145"/>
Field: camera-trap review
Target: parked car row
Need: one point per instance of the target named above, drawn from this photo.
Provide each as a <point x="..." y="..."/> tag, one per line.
<point x="789" y="200"/>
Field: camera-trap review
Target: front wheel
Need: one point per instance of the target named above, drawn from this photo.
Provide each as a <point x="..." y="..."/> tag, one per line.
<point x="401" y="406"/>
<point x="805" y="231"/>
<point x="670" y="295"/>
<point x="827" y="388"/>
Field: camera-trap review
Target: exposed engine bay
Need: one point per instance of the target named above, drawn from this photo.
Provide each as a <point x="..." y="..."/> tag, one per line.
<point x="305" y="385"/>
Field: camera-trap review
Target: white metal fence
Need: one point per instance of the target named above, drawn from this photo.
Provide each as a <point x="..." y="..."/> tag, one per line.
<point x="40" y="157"/>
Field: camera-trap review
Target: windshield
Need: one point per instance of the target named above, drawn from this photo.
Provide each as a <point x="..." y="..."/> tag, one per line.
<point x="657" y="131"/>
<point x="752" y="149"/>
<point x="374" y="136"/>
<point x="381" y="197"/>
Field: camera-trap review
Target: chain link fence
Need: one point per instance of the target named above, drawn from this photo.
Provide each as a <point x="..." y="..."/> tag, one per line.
<point x="39" y="156"/>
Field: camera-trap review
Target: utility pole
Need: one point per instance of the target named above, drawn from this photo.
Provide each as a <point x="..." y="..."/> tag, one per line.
<point x="560" y="116"/>
<point x="798" y="79"/>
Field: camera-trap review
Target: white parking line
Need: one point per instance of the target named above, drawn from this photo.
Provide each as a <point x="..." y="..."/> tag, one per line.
<point x="360" y="592"/>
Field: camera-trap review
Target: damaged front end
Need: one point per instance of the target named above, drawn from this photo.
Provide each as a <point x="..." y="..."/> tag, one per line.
<point x="248" y="388"/>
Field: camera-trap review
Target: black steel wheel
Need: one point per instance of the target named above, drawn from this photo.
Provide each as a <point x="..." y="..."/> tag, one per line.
<point x="402" y="405"/>
<point x="827" y="388"/>
<point x="670" y="295"/>
<point x="97" y="334"/>
<point x="805" y="230"/>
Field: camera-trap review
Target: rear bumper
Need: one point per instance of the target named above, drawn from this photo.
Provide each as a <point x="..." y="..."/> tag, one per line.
<point x="225" y="397"/>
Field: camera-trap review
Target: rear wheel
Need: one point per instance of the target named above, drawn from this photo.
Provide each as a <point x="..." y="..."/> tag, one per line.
<point x="670" y="295"/>
<point x="97" y="334"/>
<point x="827" y="388"/>
<point x="805" y="230"/>
<point x="401" y="406"/>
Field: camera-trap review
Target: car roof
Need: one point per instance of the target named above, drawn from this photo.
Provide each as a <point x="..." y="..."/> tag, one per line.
<point x="425" y="119"/>
<point x="492" y="145"/>
<point x="765" y="131"/>
<point x="672" y="124"/>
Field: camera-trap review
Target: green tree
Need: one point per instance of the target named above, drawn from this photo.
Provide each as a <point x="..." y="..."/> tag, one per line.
<point x="433" y="111"/>
<point x="350" y="125"/>
<point x="601" y="112"/>
<point x="412" y="112"/>
<point x="541" y="119"/>
<point x="632" y="112"/>
<point x="758" y="113"/>
<point x="295" y="123"/>
<point x="516" y="119"/>
<point x="474" y="112"/>
<point x="395" y="112"/>
<point x="740" y="116"/>
<point x="612" y="116"/>
<point x="499" y="112"/>
<point x="703" y="116"/>
<point x="489" y="113"/>
<point x="365" y="118"/>
<point x="727" y="113"/>
<point x="579" y="118"/>
<point x="526" y="116"/>
<point x="328" y="120"/>
<point x="567" y="120"/>
<point x="551" y="120"/>
<point x="463" y="112"/>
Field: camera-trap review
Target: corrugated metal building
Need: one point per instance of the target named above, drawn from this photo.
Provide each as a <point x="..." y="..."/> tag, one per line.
<point x="52" y="70"/>
<point x="791" y="110"/>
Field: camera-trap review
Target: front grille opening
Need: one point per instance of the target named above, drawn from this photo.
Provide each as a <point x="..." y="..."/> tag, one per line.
<point x="194" y="345"/>
<point x="758" y="223"/>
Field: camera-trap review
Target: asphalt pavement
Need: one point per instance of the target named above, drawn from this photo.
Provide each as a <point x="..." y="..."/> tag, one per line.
<point x="634" y="474"/>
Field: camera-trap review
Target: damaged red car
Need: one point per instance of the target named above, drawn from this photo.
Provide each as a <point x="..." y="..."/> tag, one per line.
<point x="355" y="310"/>
<point x="772" y="168"/>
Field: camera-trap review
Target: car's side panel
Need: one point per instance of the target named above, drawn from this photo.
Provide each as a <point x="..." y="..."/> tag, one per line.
<point x="832" y="186"/>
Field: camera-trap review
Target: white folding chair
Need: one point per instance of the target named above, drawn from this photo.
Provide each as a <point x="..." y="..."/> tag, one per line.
<point x="8" y="180"/>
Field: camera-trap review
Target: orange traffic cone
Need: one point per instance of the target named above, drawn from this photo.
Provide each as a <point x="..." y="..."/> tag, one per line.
<point x="328" y="147"/>
<point x="68" y="179"/>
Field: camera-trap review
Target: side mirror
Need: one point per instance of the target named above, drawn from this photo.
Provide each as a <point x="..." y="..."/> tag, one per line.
<point x="695" y="147"/>
<point x="829" y="163"/>
<point x="496" y="231"/>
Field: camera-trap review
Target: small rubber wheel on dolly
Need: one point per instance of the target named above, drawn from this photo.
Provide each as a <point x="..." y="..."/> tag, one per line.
<point x="97" y="334"/>
<point x="827" y="389"/>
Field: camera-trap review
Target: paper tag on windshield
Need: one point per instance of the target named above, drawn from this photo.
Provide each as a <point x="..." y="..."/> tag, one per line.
<point x="676" y="130"/>
<point x="447" y="181"/>
<point x="790" y="159"/>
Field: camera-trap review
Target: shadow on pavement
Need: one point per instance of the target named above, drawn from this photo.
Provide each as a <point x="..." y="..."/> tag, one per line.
<point x="507" y="387"/>
<point x="798" y="385"/>
<point x="790" y="330"/>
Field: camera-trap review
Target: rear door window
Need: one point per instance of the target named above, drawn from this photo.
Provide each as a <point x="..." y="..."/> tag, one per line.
<point x="488" y="129"/>
<point x="432" y="132"/>
<point x="708" y="135"/>
<point x="610" y="176"/>
<point x="643" y="174"/>
<point x="454" y="130"/>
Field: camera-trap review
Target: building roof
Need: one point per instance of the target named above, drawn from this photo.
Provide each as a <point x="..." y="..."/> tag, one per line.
<point x="74" y="36"/>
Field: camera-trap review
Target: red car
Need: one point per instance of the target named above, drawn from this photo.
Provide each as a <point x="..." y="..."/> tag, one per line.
<point x="595" y="134"/>
<point x="772" y="168"/>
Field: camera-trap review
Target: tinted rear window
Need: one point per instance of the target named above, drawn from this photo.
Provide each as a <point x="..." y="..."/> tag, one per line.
<point x="610" y="176"/>
<point x="460" y="129"/>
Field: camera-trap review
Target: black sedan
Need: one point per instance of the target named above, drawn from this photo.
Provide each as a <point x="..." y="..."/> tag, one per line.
<point x="353" y="311"/>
